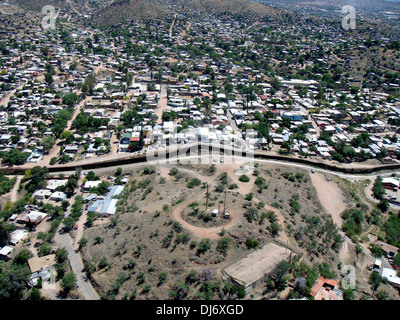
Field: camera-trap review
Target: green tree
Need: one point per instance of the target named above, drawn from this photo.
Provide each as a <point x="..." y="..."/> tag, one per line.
<point x="204" y="245"/>
<point x="48" y="77"/>
<point x="378" y="189"/>
<point x="14" y="157"/>
<point x="22" y="257"/>
<point x="223" y="245"/>
<point x="375" y="280"/>
<point x="251" y="243"/>
<point x="68" y="282"/>
<point x="70" y="99"/>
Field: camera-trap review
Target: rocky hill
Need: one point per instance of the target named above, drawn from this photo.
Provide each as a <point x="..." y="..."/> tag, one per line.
<point x="122" y="10"/>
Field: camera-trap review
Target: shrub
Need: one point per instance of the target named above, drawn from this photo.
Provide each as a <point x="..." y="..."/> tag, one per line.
<point x="194" y="183"/>
<point x="251" y="243"/>
<point x="223" y="245"/>
<point x="204" y="245"/>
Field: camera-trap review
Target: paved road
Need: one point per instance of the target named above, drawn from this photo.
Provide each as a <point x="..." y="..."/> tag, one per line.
<point x="75" y="261"/>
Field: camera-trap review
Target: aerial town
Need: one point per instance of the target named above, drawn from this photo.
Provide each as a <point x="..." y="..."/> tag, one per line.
<point x="291" y="187"/>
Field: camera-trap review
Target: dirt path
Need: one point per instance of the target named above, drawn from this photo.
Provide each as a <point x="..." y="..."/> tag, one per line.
<point x="14" y="191"/>
<point x="172" y="26"/>
<point x="211" y="233"/>
<point x="162" y="104"/>
<point x="334" y="202"/>
<point x="202" y="232"/>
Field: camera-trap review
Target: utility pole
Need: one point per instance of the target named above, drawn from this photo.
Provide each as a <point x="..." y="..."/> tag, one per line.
<point x="225" y="203"/>
<point x="207" y="194"/>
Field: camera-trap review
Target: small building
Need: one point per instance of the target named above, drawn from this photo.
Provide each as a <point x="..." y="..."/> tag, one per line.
<point x="90" y="184"/>
<point x="17" y="235"/>
<point x="326" y="289"/>
<point x="215" y="213"/>
<point x="390" y="183"/>
<point x="58" y="196"/>
<point x="252" y="270"/>
<point x="391" y="276"/>
<point x="41" y="194"/>
<point x="388" y="250"/>
<point x="110" y="202"/>
<point x="36" y="264"/>
<point x="376" y="267"/>
<point x="5" y="252"/>
<point x="227" y="214"/>
<point x="35" y="217"/>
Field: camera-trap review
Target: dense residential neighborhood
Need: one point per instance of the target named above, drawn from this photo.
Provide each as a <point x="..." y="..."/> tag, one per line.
<point x="83" y="104"/>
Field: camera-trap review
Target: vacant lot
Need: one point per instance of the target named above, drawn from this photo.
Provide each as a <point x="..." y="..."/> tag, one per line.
<point x="163" y="244"/>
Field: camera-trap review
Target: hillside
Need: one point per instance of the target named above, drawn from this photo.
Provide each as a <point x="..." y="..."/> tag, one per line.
<point x="122" y="10"/>
<point x="164" y="244"/>
<point x="223" y="6"/>
<point x="37" y="5"/>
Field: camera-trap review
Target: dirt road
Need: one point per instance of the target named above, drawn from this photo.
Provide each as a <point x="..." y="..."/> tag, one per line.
<point x="330" y="196"/>
<point x="210" y="233"/>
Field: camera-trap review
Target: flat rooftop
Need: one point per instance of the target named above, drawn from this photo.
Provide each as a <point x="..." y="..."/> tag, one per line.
<point x="38" y="263"/>
<point x="257" y="264"/>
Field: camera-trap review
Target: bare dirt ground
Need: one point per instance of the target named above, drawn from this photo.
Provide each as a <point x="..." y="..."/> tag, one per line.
<point x="330" y="196"/>
<point x="210" y="233"/>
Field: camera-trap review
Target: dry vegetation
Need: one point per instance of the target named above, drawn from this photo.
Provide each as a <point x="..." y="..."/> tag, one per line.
<point x="155" y="247"/>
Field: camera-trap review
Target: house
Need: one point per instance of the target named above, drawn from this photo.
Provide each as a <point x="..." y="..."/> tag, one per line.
<point x="17" y="235"/>
<point x="391" y="276"/>
<point x="176" y="102"/>
<point x="125" y="138"/>
<point x="293" y="116"/>
<point x="5" y="138"/>
<point x="388" y="250"/>
<point x="390" y="183"/>
<point x="58" y="196"/>
<point x="326" y="289"/>
<point x="36" y="264"/>
<point x="95" y="205"/>
<point x="41" y="194"/>
<point x="110" y="202"/>
<point x="5" y="252"/>
<point x="35" y="217"/>
<point x="90" y="184"/>
<point x="52" y="185"/>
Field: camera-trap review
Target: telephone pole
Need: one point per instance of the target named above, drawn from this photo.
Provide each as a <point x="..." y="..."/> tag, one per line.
<point x="225" y="203"/>
<point x="207" y="194"/>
